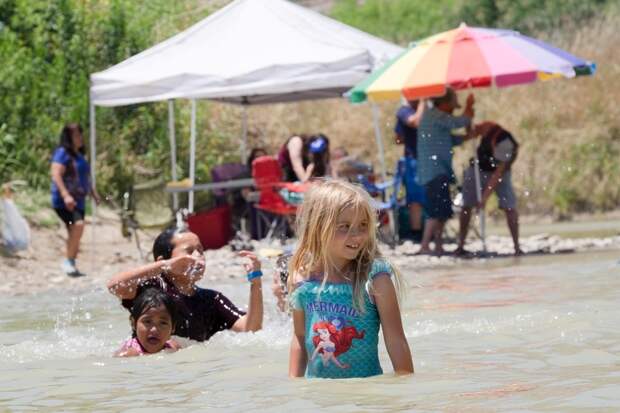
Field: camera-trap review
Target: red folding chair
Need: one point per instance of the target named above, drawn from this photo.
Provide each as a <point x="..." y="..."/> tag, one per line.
<point x="272" y="209"/>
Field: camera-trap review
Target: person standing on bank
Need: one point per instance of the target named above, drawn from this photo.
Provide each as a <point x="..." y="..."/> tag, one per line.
<point x="435" y="173"/>
<point x="406" y="132"/>
<point x="496" y="153"/>
<point x="70" y="173"/>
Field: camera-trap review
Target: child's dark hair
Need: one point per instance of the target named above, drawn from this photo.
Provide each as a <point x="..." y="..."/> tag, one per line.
<point x="152" y="298"/>
<point x="66" y="140"/>
<point x="162" y="247"/>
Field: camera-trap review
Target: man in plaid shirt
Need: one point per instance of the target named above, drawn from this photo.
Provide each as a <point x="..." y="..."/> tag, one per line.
<point x="435" y="143"/>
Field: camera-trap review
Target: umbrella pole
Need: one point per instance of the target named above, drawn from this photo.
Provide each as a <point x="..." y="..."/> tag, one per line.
<point x="93" y="176"/>
<point x="481" y="216"/>
<point x="173" y="151"/>
<point x="192" y="156"/>
<point x="379" y="139"/>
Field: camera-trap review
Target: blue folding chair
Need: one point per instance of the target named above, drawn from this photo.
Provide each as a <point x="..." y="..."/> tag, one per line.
<point x="389" y="204"/>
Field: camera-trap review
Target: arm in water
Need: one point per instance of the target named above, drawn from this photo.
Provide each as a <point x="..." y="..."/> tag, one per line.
<point x="298" y="359"/>
<point x="124" y="284"/>
<point x="253" y="320"/>
<point x="385" y="298"/>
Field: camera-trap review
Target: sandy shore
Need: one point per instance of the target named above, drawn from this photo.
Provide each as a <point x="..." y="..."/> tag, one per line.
<point x="104" y="252"/>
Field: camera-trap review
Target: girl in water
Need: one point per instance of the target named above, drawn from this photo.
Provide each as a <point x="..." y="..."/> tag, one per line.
<point x="153" y="317"/>
<point x="179" y="265"/>
<point x="342" y="291"/>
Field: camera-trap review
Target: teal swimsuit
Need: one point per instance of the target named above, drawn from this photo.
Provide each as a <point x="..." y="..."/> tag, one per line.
<point x="341" y="341"/>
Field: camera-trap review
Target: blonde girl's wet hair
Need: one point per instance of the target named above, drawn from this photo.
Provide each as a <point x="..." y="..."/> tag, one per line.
<point x="317" y="219"/>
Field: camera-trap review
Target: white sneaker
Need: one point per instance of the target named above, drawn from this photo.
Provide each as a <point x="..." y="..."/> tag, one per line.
<point x="70" y="269"/>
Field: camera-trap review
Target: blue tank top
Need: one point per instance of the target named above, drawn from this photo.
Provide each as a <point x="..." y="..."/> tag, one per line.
<point x="341" y="341"/>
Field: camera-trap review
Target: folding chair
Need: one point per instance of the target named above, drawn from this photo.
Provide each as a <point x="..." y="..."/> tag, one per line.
<point x="145" y="206"/>
<point x="272" y="209"/>
<point x="387" y="206"/>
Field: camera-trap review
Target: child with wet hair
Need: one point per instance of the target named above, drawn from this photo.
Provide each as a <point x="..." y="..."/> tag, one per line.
<point x="153" y="318"/>
<point x="179" y="265"/>
<point x="341" y="290"/>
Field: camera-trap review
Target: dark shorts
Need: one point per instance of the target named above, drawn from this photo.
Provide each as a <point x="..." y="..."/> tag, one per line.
<point x="505" y="193"/>
<point x="415" y="192"/>
<point x="438" y="202"/>
<point x="69" y="217"/>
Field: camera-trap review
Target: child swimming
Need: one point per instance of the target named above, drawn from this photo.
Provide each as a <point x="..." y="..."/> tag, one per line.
<point x="342" y="290"/>
<point x="179" y="265"/>
<point x="152" y="319"/>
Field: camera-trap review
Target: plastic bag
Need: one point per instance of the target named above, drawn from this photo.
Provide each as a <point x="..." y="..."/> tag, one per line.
<point x="15" y="230"/>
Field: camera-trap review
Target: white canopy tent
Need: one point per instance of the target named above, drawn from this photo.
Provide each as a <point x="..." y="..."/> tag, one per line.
<point x="249" y="52"/>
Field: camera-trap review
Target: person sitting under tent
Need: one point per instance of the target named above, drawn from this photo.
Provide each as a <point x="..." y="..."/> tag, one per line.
<point x="304" y="157"/>
<point x="496" y="153"/>
<point x="347" y="166"/>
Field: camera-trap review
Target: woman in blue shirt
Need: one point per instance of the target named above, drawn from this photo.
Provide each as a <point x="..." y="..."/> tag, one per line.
<point x="71" y="183"/>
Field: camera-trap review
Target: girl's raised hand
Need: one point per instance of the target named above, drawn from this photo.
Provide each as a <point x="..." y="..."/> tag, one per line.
<point x="254" y="262"/>
<point x="182" y="264"/>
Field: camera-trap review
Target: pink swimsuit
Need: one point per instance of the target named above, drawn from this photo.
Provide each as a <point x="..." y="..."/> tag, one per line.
<point x="135" y="344"/>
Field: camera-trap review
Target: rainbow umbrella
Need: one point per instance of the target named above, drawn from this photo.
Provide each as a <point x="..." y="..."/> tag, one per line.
<point x="468" y="57"/>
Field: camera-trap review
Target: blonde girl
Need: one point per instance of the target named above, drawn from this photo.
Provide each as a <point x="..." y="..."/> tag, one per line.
<point x="343" y="291"/>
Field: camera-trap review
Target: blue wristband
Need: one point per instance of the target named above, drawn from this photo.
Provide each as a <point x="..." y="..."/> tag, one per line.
<point x="254" y="274"/>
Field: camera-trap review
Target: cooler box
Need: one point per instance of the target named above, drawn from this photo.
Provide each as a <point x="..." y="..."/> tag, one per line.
<point x="213" y="227"/>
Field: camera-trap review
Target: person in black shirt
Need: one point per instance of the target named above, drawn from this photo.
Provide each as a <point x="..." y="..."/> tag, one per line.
<point x="179" y="264"/>
<point x="496" y="153"/>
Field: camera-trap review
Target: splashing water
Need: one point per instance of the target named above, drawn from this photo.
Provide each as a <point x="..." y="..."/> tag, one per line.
<point x="499" y="333"/>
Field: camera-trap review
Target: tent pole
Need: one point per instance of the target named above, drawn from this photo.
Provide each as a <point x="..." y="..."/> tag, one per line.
<point x="93" y="174"/>
<point x="244" y="132"/>
<point x="379" y="139"/>
<point x="481" y="216"/>
<point x="93" y="150"/>
<point x="192" y="156"/>
<point x="173" y="151"/>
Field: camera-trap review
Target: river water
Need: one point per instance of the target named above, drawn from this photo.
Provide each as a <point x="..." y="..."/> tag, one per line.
<point x="534" y="334"/>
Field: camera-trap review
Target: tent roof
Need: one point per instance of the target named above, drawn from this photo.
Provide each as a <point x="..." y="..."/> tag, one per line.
<point x="248" y="52"/>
